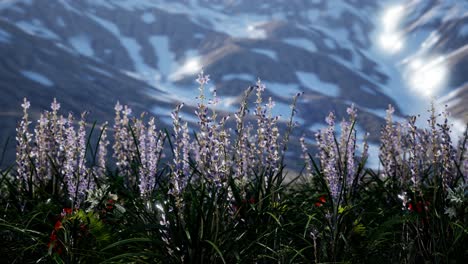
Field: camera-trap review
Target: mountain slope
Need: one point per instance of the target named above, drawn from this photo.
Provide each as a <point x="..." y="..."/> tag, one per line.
<point x="91" y="53"/>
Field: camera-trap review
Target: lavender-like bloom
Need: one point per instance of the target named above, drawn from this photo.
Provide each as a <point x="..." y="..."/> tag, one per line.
<point x="181" y="153"/>
<point x="83" y="181"/>
<point x="119" y="154"/>
<point x="241" y="146"/>
<point x="202" y="78"/>
<point x="350" y="145"/>
<point x="328" y="156"/>
<point x="124" y="145"/>
<point x="56" y="133"/>
<point x="211" y="145"/>
<point x="23" y="149"/>
<point x="43" y="148"/>
<point x="447" y="152"/>
<point x="271" y="138"/>
<point x="71" y="159"/>
<point x="415" y="152"/>
<point x="75" y="170"/>
<point x="143" y="170"/>
<point x="390" y="148"/>
<point x="55" y="106"/>
<point x="260" y="114"/>
<point x="151" y="147"/>
<point x="434" y="137"/>
<point x="102" y="152"/>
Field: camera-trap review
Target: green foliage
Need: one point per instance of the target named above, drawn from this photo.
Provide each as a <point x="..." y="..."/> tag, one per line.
<point x="195" y="209"/>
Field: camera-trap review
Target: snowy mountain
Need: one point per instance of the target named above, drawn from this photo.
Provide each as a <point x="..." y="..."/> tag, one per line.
<point x="147" y="53"/>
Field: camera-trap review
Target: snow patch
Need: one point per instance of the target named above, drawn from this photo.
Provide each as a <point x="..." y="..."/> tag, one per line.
<point x="143" y="71"/>
<point x="310" y="80"/>
<point x="82" y="44"/>
<point x="238" y="76"/>
<point x="269" y="53"/>
<point x="36" y="28"/>
<point x="367" y="90"/>
<point x="101" y="71"/>
<point x="60" y="22"/>
<point x="37" y="77"/>
<point x="241" y="25"/>
<point x="329" y="43"/>
<point x="301" y="43"/>
<point x="148" y="18"/>
<point x="282" y="90"/>
<point x="4" y="4"/>
<point x="164" y="55"/>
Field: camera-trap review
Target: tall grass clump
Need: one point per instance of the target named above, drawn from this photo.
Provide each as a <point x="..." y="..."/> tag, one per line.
<point x="217" y="191"/>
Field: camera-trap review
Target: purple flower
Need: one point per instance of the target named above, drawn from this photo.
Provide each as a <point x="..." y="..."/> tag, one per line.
<point x="55" y="106"/>
<point x="390" y="148"/>
<point x="23" y="148"/>
<point x="71" y="158"/>
<point x="328" y="156"/>
<point x="202" y="78"/>
<point x="102" y="152"/>
<point x="151" y="147"/>
<point x="180" y="170"/>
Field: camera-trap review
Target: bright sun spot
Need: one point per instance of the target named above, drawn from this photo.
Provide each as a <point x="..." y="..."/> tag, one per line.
<point x="427" y="77"/>
<point x="392" y="17"/>
<point x="390" y="40"/>
<point x="190" y="67"/>
<point x="254" y="32"/>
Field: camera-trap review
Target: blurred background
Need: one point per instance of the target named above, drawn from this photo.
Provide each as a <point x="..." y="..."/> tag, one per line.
<point x="89" y="54"/>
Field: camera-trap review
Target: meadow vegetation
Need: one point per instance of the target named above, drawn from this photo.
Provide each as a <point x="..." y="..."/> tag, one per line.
<point x="132" y="192"/>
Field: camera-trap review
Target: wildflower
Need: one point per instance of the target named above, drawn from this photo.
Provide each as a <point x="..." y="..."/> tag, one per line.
<point x="71" y="158"/>
<point x="321" y="201"/>
<point x="124" y="145"/>
<point x="181" y="155"/>
<point x="388" y="150"/>
<point x="110" y="204"/>
<point x="102" y="151"/>
<point x="447" y="152"/>
<point x="151" y="147"/>
<point x="66" y="211"/>
<point x="23" y="149"/>
<point x="83" y="181"/>
<point x="328" y="156"/>
<point x="58" y="225"/>
<point x="348" y="144"/>
<point x="55" y="106"/>
<point x="416" y="152"/>
<point x="202" y="78"/>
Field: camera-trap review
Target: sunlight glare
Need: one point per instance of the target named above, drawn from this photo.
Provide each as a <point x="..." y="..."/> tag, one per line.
<point x="390" y="40"/>
<point x="190" y="67"/>
<point x="392" y="17"/>
<point x="427" y="78"/>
